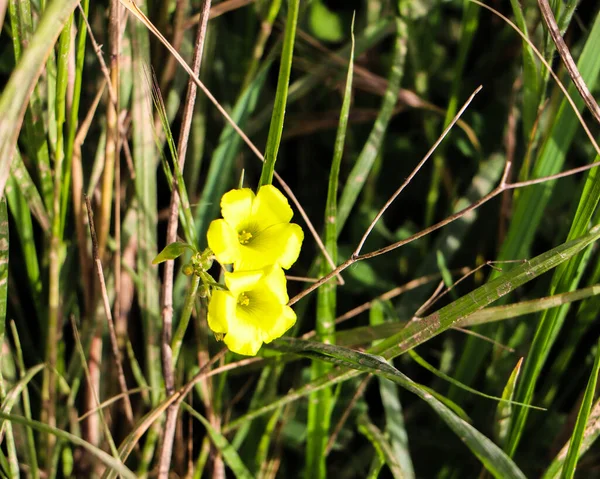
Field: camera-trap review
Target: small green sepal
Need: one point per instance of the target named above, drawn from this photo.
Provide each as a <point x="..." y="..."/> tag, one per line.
<point x="172" y="251"/>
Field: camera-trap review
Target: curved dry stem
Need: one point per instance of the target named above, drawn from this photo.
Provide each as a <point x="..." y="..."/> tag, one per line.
<point x="415" y="171"/>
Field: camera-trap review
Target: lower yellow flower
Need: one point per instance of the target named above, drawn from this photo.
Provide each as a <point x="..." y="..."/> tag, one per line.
<point x="254" y="310"/>
<point x="255" y="230"/>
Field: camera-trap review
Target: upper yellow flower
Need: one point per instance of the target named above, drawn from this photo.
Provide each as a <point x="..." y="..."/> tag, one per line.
<point x="255" y="230"/>
<point x="253" y="311"/>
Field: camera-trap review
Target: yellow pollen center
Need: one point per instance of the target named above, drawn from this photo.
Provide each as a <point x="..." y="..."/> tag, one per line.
<point x="244" y="236"/>
<point x="243" y="300"/>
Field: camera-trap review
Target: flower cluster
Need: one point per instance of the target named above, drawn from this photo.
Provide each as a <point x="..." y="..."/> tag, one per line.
<point x="256" y="237"/>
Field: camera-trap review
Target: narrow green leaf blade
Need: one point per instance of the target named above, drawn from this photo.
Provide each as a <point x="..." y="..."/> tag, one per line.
<point x="283" y="82"/>
<point x="582" y="419"/>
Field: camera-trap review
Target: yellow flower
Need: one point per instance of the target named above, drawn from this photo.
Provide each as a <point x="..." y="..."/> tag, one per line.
<point x="253" y="311"/>
<point x="255" y="230"/>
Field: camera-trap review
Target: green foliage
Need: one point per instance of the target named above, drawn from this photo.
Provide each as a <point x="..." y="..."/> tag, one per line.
<point x="378" y="375"/>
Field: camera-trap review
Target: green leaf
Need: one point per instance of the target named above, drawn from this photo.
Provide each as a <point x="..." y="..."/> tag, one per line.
<point x="504" y="409"/>
<point x="172" y="251"/>
<point x="325" y="24"/>
<point x="381" y="445"/>
<point x="283" y="83"/>
<point x="99" y="454"/>
<point x="230" y="455"/>
<point x="15" y="95"/>
<point x="582" y="419"/>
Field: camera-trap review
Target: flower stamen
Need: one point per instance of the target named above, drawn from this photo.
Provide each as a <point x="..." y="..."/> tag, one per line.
<point x="244" y="236"/>
<point x="243" y="300"/>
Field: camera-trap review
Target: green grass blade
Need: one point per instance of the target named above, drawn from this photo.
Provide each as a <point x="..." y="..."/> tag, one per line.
<point x="33" y="124"/>
<point x="219" y="172"/>
<point x="4" y="243"/>
<point x="420" y="331"/>
<point x="381" y="445"/>
<point x="230" y="455"/>
<point x="421" y="362"/>
<point x="531" y="76"/>
<point x="591" y="434"/>
<point x="15" y="95"/>
<point x="321" y="403"/>
<point x="505" y="408"/>
<point x="582" y="420"/>
<point x="30" y="450"/>
<point x="74" y="113"/>
<point x="24" y="182"/>
<point x="394" y="417"/>
<point x="367" y="334"/>
<point x="145" y="188"/>
<point x="530" y="204"/>
<point x="362" y="167"/>
<point x="283" y="81"/>
<point x="13" y="394"/>
<point x="490" y="455"/>
<point x="98" y="453"/>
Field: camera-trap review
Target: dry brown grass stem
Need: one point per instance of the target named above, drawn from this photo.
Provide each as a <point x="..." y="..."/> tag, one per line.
<point x="172" y="225"/>
<point x="567" y="59"/>
<point x="109" y="319"/>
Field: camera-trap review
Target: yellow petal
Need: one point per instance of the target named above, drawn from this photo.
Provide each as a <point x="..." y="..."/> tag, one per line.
<point x="270" y="207"/>
<point x="279" y="244"/>
<point x="246" y="327"/>
<point x="274" y="280"/>
<point x="291" y="251"/>
<point x="236" y="207"/>
<point x="220" y="307"/>
<point x="277" y="329"/>
<point x="240" y="281"/>
<point x="244" y="342"/>
<point x="223" y="241"/>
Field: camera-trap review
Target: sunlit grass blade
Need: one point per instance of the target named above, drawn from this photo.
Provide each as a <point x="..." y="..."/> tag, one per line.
<point x="504" y="409"/>
<point x="590" y="436"/>
<point x="421" y="331"/>
<point x="33" y="123"/>
<point x="364" y="162"/>
<point x="283" y="81"/>
<point x="15" y="94"/>
<point x="582" y="420"/>
<point x="322" y="403"/>
<point x="490" y="455"/>
<point x="98" y="453"/>
<point x="367" y="334"/>
<point x="229" y="453"/>
<point x="501" y="400"/>
<point x="145" y="188"/>
<point x="74" y="112"/>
